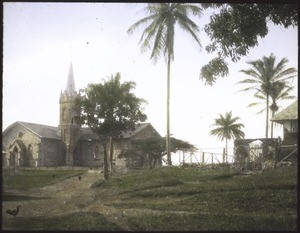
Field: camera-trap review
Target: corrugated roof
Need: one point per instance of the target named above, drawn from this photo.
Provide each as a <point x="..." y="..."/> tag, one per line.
<point x="43" y="131"/>
<point x="289" y="113"/>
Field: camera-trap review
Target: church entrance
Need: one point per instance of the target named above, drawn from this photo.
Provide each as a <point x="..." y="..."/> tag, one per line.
<point x="14" y="157"/>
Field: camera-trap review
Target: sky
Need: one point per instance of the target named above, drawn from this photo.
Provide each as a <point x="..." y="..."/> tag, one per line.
<point x="40" y="41"/>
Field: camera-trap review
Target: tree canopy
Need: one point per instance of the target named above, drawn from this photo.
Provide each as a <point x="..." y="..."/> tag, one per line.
<point x="110" y="107"/>
<point x="265" y="75"/>
<point x="236" y="28"/>
<point x="226" y="127"/>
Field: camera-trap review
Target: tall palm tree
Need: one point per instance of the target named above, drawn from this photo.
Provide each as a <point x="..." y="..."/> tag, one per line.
<point x="227" y="128"/>
<point x="265" y="72"/>
<point x="280" y="91"/>
<point x="160" y="32"/>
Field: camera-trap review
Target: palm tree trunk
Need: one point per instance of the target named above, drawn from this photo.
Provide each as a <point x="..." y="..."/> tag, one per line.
<point x="267" y="117"/>
<point x="272" y="124"/>
<point x="226" y="157"/>
<point x="169" y="161"/>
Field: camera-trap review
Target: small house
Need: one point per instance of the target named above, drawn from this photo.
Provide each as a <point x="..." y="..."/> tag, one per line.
<point x="288" y="118"/>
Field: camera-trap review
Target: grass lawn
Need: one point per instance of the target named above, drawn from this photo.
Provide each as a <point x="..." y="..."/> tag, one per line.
<point x="195" y="199"/>
<point x="185" y="199"/>
<point x="26" y="179"/>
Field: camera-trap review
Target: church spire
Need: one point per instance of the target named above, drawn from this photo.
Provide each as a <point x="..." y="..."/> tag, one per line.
<point x="70" y="88"/>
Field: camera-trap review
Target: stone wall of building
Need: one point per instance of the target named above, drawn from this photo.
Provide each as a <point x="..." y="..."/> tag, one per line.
<point x="52" y="153"/>
<point x="89" y="153"/>
<point x="29" y="139"/>
<point x="136" y="162"/>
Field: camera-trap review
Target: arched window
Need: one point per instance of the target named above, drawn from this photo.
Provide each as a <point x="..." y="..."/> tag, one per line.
<point x="63" y="114"/>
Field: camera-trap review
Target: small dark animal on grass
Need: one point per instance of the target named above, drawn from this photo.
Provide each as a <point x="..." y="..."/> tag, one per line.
<point x="53" y="175"/>
<point x="79" y="178"/>
<point x="13" y="212"/>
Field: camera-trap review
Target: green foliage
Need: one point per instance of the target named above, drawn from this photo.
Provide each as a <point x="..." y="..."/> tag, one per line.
<point x="268" y="79"/>
<point x="110" y="107"/>
<point x="236" y="28"/>
<point x="160" y="27"/>
<point x="154" y="149"/>
<point x="279" y="91"/>
<point x="227" y="128"/>
<point x="216" y="67"/>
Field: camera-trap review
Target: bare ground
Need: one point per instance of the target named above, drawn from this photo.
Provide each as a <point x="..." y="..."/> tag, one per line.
<point x="65" y="197"/>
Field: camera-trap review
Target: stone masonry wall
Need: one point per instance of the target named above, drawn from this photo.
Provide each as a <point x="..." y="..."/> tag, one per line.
<point x="53" y="153"/>
<point x="268" y="156"/>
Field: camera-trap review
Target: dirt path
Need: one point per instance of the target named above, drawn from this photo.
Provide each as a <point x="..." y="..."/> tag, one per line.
<point x="68" y="196"/>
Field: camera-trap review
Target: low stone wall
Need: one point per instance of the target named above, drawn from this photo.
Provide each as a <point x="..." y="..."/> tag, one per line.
<point x="247" y="158"/>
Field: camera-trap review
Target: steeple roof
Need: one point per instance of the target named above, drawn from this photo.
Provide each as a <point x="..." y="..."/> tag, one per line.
<point x="70" y="88"/>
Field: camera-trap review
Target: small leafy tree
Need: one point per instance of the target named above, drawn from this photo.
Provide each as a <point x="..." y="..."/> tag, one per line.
<point x="109" y="108"/>
<point x="153" y="149"/>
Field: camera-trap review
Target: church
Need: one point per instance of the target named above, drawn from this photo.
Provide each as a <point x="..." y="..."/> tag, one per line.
<point x="27" y="144"/>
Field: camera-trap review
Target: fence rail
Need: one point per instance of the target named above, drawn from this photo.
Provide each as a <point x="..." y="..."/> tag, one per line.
<point x="206" y="156"/>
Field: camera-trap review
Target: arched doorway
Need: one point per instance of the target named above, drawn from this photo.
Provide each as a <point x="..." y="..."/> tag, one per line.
<point x="13" y="159"/>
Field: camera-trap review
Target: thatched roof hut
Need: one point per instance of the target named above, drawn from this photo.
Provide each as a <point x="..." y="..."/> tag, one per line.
<point x="288" y="114"/>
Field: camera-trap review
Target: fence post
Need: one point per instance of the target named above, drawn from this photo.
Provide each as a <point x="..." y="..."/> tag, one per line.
<point x="212" y="158"/>
<point x="224" y="155"/>
<point x="203" y="157"/>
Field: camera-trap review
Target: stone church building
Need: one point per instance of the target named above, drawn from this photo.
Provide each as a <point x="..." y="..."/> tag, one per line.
<point x="27" y="144"/>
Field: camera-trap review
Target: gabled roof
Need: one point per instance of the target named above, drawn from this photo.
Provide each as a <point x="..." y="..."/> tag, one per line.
<point x="46" y="131"/>
<point x="87" y="133"/>
<point x="42" y="131"/>
<point x="289" y="113"/>
<point x="138" y="128"/>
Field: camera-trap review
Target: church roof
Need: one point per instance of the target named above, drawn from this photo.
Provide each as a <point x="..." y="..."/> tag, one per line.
<point x="289" y="113"/>
<point x="42" y="131"/>
<point x="46" y="131"/>
<point x="130" y="133"/>
<point x="87" y="133"/>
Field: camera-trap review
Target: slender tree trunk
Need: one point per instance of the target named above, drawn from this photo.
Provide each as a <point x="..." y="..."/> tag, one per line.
<point x="111" y="153"/>
<point x="267" y="117"/>
<point x="105" y="162"/>
<point x="272" y="124"/>
<point x="168" y="112"/>
<point x="226" y="157"/>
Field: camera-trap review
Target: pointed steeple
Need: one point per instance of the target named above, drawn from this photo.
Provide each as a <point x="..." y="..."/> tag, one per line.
<point x="70" y="88"/>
